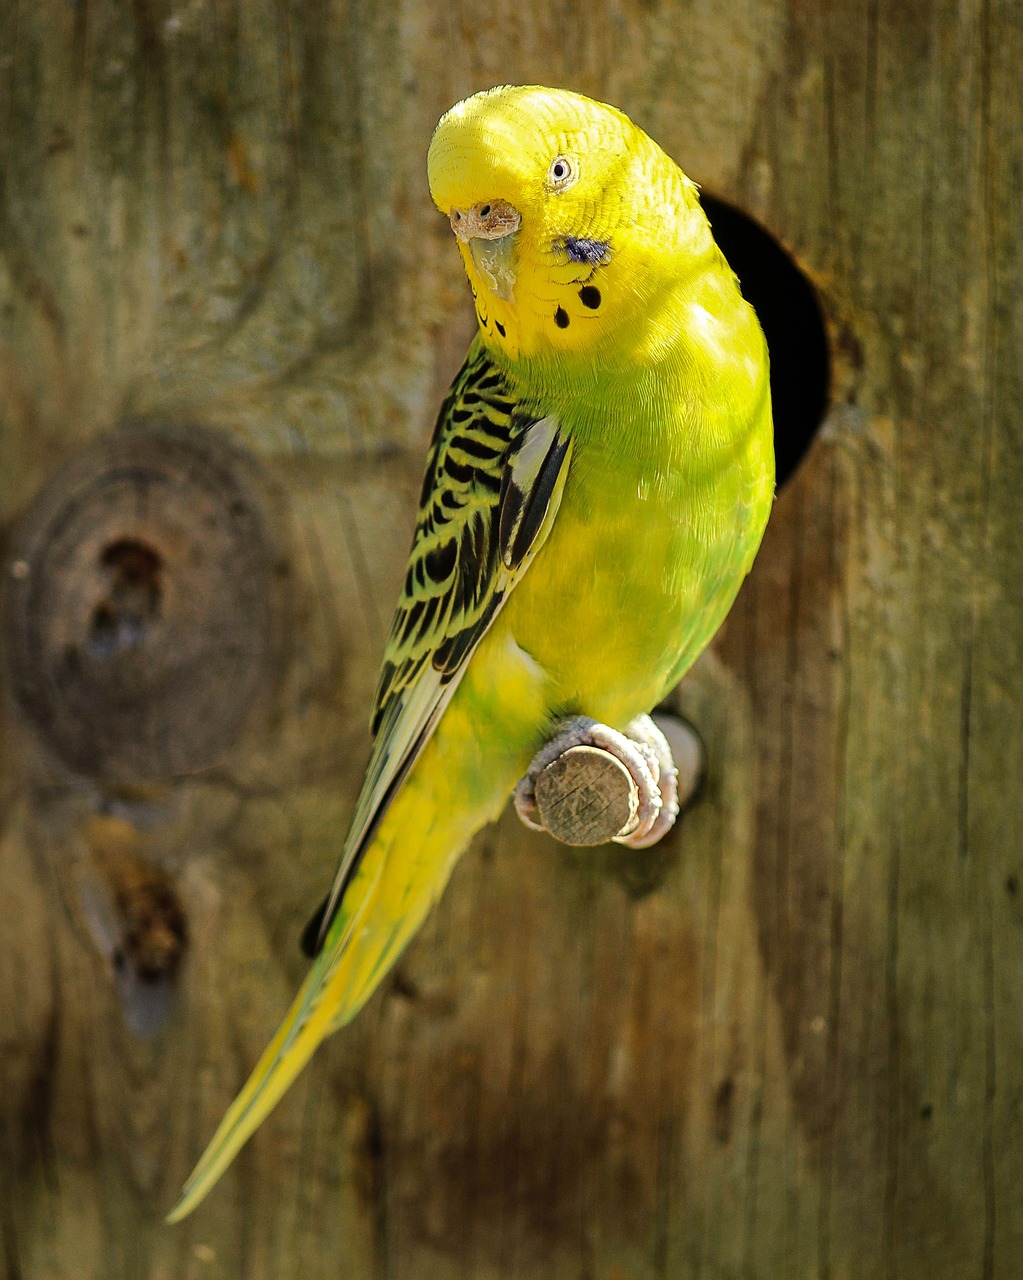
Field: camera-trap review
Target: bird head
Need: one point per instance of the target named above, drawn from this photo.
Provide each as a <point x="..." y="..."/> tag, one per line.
<point x="568" y="217"/>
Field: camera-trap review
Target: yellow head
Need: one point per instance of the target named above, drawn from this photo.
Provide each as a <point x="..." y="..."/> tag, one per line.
<point x="570" y="220"/>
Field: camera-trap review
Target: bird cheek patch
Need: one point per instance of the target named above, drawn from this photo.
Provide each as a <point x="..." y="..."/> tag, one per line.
<point x="595" y="253"/>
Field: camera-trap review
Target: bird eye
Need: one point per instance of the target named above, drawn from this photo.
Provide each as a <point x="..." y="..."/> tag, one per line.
<point x="561" y="173"/>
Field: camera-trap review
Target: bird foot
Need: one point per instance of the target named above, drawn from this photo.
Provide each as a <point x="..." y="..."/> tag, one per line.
<point x="641" y="774"/>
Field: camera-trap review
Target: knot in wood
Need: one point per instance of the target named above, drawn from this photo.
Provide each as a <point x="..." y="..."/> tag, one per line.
<point x="143" y="608"/>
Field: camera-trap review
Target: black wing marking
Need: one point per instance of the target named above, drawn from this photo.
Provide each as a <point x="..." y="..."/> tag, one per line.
<point x="493" y="482"/>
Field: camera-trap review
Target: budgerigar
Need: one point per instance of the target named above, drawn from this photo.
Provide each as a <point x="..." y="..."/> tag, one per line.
<point x="597" y="487"/>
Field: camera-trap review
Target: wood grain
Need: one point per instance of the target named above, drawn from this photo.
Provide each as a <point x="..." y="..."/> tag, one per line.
<point x="586" y="797"/>
<point x="786" y="1042"/>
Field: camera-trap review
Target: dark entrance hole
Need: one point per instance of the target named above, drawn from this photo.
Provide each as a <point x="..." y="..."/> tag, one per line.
<point x="132" y="600"/>
<point x="793" y="323"/>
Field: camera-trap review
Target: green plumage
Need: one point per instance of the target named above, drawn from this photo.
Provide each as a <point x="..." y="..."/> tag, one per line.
<point x="596" y="489"/>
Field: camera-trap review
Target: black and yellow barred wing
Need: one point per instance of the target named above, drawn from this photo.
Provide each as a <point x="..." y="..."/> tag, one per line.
<point x="493" y="483"/>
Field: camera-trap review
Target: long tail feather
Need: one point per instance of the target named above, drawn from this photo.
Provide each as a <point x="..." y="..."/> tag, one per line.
<point x="401" y="876"/>
<point x="360" y="949"/>
<point x="285" y="1056"/>
<point x="331" y="995"/>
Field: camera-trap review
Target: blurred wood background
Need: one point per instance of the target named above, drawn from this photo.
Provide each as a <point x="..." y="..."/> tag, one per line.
<point x="789" y="1043"/>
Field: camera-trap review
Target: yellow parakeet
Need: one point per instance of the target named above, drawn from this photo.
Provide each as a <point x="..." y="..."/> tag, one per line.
<point x="597" y="486"/>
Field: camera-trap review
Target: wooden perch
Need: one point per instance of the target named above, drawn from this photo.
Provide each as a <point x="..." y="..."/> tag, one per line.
<point x="584" y="794"/>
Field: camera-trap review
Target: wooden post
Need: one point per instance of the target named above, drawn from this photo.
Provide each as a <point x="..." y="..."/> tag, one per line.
<point x="787" y="1041"/>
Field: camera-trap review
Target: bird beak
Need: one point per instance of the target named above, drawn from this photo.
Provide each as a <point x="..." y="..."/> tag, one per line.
<point x="489" y="230"/>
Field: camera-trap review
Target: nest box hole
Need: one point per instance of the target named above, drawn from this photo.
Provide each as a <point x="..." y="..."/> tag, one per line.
<point x="132" y="571"/>
<point x="793" y="323"/>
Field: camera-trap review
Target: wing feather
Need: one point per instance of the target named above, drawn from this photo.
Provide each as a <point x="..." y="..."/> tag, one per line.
<point x="493" y="483"/>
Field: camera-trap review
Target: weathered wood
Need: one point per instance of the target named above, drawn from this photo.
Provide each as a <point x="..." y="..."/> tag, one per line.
<point x="788" y="1040"/>
<point x="586" y="797"/>
<point x="144" y="603"/>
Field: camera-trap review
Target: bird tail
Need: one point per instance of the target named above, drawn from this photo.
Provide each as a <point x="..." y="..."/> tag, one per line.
<point x="363" y="943"/>
<point x="282" y="1060"/>
<point x="402" y="873"/>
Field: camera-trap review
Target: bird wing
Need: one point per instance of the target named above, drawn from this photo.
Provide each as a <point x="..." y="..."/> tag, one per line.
<point x="493" y="483"/>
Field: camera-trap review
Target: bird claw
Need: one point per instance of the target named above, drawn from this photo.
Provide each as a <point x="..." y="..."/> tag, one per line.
<point x="643" y="750"/>
<point x="652" y="742"/>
